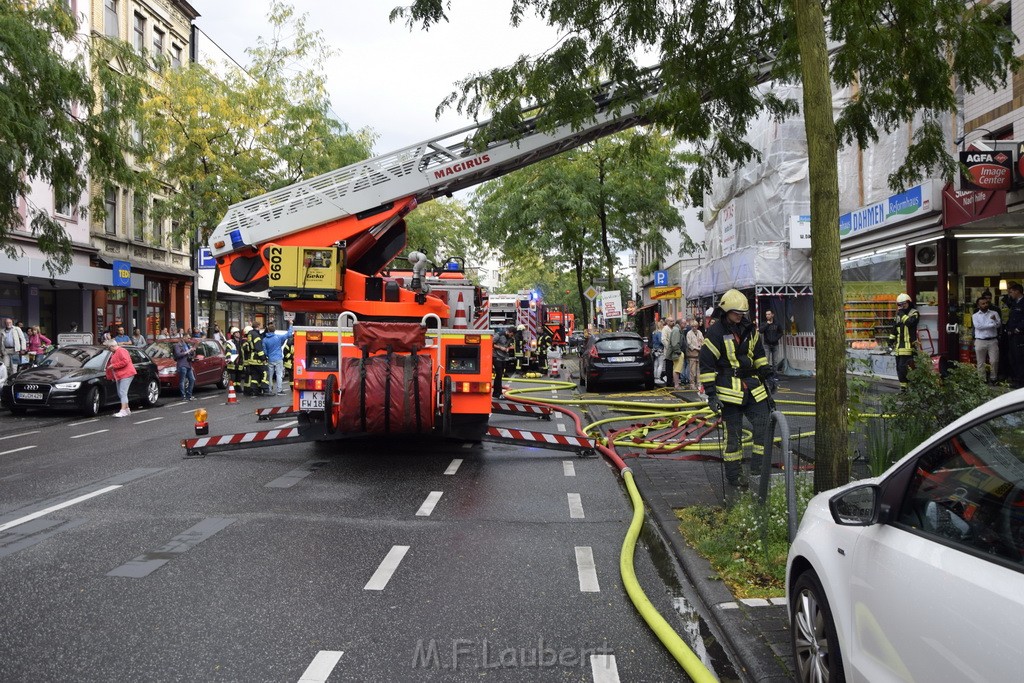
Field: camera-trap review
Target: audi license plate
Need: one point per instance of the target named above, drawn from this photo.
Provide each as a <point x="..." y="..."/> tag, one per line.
<point x="621" y="359"/>
<point x="311" y="400"/>
<point x="29" y="396"/>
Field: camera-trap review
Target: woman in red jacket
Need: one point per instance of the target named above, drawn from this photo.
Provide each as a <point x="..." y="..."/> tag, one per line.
<point x="120" y="369"/>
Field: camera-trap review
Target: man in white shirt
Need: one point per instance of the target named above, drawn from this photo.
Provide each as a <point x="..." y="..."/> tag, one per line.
<point x="986" y="338"/>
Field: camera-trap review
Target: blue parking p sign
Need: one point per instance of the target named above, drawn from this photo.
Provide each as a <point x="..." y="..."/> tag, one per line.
<point x="660" y="278"/>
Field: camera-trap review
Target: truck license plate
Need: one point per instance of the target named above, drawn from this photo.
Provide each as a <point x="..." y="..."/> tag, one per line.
<point x="29" y="396"/>
<point x="311" y="400"/>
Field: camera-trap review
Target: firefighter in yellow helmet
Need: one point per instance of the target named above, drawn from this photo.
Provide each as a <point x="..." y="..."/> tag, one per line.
<point x="903" y="338"/>
<point x="738" y="382"/>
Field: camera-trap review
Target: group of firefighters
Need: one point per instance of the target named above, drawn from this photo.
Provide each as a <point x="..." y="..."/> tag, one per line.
<point x="248" y="363"/>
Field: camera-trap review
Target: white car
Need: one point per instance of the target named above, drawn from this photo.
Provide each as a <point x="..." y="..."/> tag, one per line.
<point x="918" y="575"/>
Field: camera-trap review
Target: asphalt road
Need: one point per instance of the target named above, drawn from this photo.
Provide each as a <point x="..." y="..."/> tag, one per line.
<point x="377" y="560"/>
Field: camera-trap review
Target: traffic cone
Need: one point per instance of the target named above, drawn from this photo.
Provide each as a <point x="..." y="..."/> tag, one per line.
<point x="231" y="394"/>
<point x="460" y="314"/>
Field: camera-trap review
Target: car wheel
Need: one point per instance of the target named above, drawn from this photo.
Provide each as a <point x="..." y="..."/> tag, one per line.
<point x="91" y="403"/>
<point x="223" y="383"/>
<point x="591" y="384"/>
<point x="152" y="393"/>
<point x="816" y="650"/>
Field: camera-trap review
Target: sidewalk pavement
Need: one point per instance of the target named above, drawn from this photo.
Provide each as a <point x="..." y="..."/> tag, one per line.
<point x="755" y="631"/>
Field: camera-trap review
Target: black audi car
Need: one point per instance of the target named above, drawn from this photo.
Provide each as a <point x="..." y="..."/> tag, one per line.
<point x="74" y="378"/>
<point x="616" y="357"/>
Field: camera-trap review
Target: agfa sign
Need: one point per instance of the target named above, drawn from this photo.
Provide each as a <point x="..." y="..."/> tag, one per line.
<point x="986" y="170"/>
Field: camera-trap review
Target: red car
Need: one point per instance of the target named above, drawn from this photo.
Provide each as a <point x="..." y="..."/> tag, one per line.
<point x="210" y="363"/>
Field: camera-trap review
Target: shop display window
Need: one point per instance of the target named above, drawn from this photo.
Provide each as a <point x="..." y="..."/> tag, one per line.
<point x="869" y="308"/>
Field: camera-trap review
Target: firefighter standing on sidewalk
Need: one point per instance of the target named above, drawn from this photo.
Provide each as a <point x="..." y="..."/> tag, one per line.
<point x="903" y="338"/>
<point x="737" y="380"/>
<point x="255" y="361"/>
<point x="236" y="361"/>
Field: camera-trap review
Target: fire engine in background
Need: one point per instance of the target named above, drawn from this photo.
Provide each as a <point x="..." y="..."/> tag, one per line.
<point x="411" y="352"/>
<point x="561" y="323"/>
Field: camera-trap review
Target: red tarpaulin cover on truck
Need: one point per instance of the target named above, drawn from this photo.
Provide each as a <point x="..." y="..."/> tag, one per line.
<point x="383" y="394"/>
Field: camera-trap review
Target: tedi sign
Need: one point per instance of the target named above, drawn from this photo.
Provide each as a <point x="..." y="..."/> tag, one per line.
<point x="986" y="170"/>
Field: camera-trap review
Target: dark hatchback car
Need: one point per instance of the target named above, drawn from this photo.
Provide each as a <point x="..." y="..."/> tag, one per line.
<point x="74" y="378"/>
<point x="619" y="357"/>
<point x="209" y="362"/>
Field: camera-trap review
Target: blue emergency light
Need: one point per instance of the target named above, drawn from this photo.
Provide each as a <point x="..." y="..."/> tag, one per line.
<point x="452" y="266"/>
<point x="236" y="239"/>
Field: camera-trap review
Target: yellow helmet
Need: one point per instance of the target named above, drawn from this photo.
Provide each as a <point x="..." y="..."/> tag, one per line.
<point x="903" y="299"/>
<point x="733" y="300"/>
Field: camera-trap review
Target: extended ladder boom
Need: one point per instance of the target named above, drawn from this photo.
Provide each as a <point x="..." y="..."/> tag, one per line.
<point x="424" y="171"/>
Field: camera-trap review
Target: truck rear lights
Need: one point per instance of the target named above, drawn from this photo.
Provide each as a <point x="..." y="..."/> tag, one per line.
<point x="314" y="336"/>
<point x="472" y="387"/>
<point x="472" y="338"/>
<point x="309" y="384"/>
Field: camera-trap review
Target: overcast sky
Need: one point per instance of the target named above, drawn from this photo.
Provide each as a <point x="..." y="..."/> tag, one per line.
<point x="385" y="76"/>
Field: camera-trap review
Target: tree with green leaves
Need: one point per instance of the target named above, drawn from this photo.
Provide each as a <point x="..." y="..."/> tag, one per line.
<point x="905" y="56"/>
<point x="443" y="229"/>
<point x="582" y="208"/>
<point x="219" y="138"/>
<point x="53" y="122"/>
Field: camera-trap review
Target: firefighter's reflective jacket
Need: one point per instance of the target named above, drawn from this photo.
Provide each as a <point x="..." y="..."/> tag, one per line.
<point x="732" y="362"/>
<point x="903" y="337"/>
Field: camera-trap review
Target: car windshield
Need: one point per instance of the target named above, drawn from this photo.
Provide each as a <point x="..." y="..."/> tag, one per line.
<point x="160" y="349"/>
<point x="619" y="345"/>
<point x="74" y="357"/>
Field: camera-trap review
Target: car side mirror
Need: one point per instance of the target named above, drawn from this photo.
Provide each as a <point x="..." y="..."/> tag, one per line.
<point x="857" y="506"/>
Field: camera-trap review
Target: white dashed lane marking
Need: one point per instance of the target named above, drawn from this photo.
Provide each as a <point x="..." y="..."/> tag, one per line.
<point x="53" y="508"/>
<point x="428" y="504"/>
<point x="15" y="450"/>
<point x="15" y="436"/>
<point x="83" y="422"/>
<point x="561" y="427"/>
<point x="152" y="419"/>
<point x="604" y="669"/>
<point x="568" y="468"/>
<point x="386" y="569"/>
<point x="99" y="431"/>
<point x="454" y="467"/>
<point x="321" y="666"/>
<point x="575" y="506"/>
<point x="587" y="569"/>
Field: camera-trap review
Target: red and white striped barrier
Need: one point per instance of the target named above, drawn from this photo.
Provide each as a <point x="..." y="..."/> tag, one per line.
<point x="506" y="408"/>
<point x="558" y="442"/>
<point x="482" y="321"/>
<point x="204" y="444"/>
<point x="277" y="413"/>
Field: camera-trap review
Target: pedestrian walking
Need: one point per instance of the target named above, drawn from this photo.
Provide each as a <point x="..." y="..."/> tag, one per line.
<point x="738" y="383"/>
<point x="120" y="370"/>
<point x="184" y="354"/>
<point x="986" y="324"/>
<point x="673" y="352"/>
<point x="1015" y="334"/>
<point x="501" y="354"/>
<point x="13" y="346"/>
<point x="903" y="338"/>
<point x="658" y="349"/>
<point x="694" y="343"/>
<point x="771" y="335"/>
<point x="273" y="346"/>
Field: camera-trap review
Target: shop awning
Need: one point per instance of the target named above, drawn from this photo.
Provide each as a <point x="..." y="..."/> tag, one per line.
<point x="141" y="264"/>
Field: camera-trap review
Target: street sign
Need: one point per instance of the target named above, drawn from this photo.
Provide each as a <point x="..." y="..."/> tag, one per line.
<point x="590" y="293"/>
<point x="206" y="260"/>
<point x="611" y="304"/>
<point x="666" y="292"/>
<point x="660" y="278"/>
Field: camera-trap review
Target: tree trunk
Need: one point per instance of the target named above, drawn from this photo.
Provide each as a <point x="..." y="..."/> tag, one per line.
<point x="831" y="437"/>
<point x="584" y="302"/>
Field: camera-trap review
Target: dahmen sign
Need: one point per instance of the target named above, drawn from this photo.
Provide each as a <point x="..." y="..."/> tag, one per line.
<point x="986" y="170"/>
